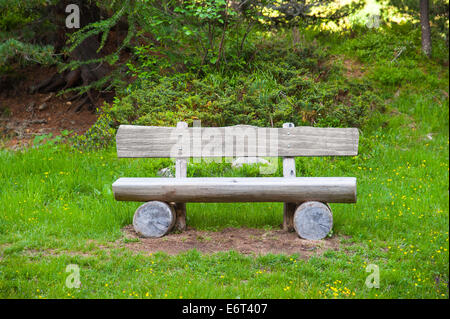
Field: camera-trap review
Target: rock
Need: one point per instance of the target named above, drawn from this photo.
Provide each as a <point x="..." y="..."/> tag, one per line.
<point x="238" y="162"/>
<point x="165" y="172"/>
<point x="46" y="99"/>
<point x="43" y="106"/>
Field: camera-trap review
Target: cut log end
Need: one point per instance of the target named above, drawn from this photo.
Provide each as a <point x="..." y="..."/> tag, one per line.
<point x="154" y="219"/>
<point x="313" y="220"/>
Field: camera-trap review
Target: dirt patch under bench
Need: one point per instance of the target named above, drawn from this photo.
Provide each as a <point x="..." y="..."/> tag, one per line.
<point x="242" y="240"/>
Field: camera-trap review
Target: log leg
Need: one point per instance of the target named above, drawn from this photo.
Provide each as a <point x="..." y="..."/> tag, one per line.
<point x="288" y="216"/>
<point x="313" y="220"/>
<point x="180" y="209"/>
<point x="154" y="219"/>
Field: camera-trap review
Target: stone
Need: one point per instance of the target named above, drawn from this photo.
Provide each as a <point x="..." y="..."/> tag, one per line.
<point x="46" y="99"/>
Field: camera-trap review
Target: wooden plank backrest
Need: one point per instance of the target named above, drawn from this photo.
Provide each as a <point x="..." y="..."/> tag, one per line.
<point x="240" y="140"/>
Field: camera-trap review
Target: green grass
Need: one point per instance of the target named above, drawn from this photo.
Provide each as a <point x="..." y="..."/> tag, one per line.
<point x="57" y="209"/>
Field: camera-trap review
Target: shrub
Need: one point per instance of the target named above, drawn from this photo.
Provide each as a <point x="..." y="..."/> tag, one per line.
<point x="284" y="83"/>
<point x="100" y="135"/>
<point x="273" y="94"/>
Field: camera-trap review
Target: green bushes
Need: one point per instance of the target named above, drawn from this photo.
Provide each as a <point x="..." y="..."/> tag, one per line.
<point x="255" y="99"/>
<point x="25" y="53"/>
<point x="392" y="58"/>
<point x="385" y="44"/>
<point x="394" y="75"/>
<point x="303" y="82"/>
<point x="18" y="33"/>
<point x="101" y="134"/>
<point x="282" y="84"/>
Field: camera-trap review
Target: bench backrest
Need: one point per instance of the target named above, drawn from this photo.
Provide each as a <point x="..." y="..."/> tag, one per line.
<point x="240" y="140"/>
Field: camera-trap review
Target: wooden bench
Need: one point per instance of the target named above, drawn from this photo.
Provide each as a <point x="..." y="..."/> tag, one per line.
<point x="306" y="199"/>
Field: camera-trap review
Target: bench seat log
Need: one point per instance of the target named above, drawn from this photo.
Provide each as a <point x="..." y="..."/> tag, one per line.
<point x="239" y="189"/>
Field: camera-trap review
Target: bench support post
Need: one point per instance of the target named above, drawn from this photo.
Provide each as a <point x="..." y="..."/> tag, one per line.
<point x="288" y="216"/>
<point x="288" y="172"/>
<point x="181" y="172"/>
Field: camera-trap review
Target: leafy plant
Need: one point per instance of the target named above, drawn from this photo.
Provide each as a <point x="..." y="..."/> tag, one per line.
<point x="100" y="135"/>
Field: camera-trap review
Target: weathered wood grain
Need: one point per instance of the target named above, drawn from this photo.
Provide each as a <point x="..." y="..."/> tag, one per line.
<point x="180" y="211"/>
<point x="235" y="141"/>
<point x="154" y="219"/>
<point x="181" y="172"/>
<point x="181" y="163"/>
<point x="288" y="172"/>
<point x="250" y="189"/>
<point x="288" y="216"/>
<point x="313" y="220"/>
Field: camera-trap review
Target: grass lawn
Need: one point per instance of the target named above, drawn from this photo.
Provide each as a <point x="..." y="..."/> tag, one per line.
<point x="57" y="208"/>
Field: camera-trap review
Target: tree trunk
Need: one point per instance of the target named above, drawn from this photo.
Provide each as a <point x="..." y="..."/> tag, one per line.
<point x="85" y="51"/>
<point x="425" y="26"/>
